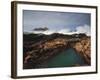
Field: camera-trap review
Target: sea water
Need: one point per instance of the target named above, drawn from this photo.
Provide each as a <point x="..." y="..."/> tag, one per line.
<point x="66" y="58"/>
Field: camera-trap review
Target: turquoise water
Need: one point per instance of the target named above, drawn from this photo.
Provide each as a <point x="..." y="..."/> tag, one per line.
<point x="66" y="58"/>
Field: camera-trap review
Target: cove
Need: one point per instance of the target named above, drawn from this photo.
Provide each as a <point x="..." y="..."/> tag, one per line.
<point x="67" y="58"/>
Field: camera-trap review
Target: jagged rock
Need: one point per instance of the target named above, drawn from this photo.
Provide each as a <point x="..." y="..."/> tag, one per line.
<point x="48" y="46"/>
<point x="83" y="48"/>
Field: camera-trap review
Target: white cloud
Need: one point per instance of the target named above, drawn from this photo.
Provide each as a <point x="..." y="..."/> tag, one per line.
<point x="64" y="31"/>
<point x="84" y="29"/>
<point x="49" y="32"/>
<point x="67" y="31"/>
<point x="80" y="29"/>
<point x="45" y="32"/>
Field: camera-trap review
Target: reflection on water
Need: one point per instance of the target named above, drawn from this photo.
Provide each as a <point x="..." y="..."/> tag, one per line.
<point x="67" y="58"/>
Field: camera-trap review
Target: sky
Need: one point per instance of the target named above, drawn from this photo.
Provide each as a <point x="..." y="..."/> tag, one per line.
<point x="56" y="22"/>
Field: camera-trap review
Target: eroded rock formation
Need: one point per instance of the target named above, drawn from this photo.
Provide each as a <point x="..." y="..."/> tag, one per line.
<point x="43" y="50"/>
<point x="83" y="48"/>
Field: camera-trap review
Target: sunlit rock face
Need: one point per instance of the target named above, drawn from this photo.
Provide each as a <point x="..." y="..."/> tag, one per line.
<point x="83" y="47"/>
<point x="59" y="42"/>
<point x="47" y="49"/>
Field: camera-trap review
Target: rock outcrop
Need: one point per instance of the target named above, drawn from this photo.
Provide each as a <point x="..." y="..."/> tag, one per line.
<point x="42" y="50"/>
<point x="83" y="47"/>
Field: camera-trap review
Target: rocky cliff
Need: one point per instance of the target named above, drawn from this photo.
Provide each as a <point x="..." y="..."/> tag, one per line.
<point x="83" y="47"/>
<point x="44" y="47"/>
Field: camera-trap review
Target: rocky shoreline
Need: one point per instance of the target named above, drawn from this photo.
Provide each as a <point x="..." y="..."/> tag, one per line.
<point x="39" y="52"/>
<point x="84" y="48"/>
